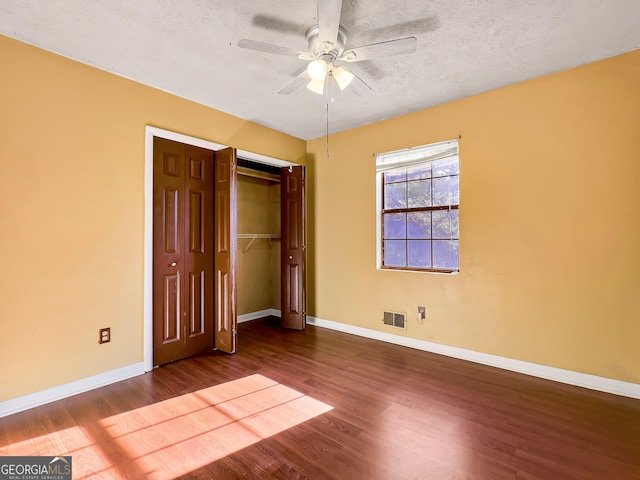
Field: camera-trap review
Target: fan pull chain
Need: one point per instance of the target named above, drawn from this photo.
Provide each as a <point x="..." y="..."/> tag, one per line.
<point x="327" y="137"/>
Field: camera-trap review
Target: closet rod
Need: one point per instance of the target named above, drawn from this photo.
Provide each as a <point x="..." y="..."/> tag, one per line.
<point x="249" y="172"/>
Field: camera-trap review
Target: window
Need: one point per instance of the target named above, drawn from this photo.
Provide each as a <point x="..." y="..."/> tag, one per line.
<point x="418" y="205"/>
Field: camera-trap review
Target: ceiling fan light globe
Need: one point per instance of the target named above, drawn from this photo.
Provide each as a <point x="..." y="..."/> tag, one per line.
<point x="343" y="77"/>
<point x="317" y="69"/>
<point x="316" y="86"/>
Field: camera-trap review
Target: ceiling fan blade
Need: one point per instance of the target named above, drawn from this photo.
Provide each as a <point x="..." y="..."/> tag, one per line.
<point x="328" y="22"/>
<point x="358" y="86"/>
<point x="276" y="24"/>
<point x="296" y="82"/>
<point x="383" y="49"/>
<point x="276" y="49"/>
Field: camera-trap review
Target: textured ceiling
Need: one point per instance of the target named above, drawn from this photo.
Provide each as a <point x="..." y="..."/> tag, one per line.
<point x="189" y="48"/>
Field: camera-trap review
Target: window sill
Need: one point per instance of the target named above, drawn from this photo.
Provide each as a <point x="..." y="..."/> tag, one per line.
<point x="415" y="270"/>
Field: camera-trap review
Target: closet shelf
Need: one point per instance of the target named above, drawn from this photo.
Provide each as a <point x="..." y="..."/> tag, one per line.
<point x="258" y="235"/>
<point x="253" y="237"/>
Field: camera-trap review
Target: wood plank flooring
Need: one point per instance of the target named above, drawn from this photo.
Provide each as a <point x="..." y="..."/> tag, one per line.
<point x="320" y="404"/>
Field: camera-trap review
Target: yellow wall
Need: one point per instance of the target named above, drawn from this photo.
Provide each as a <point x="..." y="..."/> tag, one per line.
<point x="549" y="223"/>
<point x="72" y="185"/>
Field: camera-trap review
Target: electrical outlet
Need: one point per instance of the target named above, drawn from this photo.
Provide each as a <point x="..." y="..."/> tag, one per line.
<point x="105" y="335"/>
<point x="422" y="313"/>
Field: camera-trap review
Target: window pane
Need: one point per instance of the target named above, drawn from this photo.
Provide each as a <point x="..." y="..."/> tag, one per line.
<point x="445" y="224"/>
<point x="395" y="175"/>
<point x="419" y="225"/>
<point x="419" y="172"/>
<point x="445" y="254"/>
<point x="445" y="191"/>
<point x="395" y="225"/>
<point x="442" y="168"/>
<point x="419" y="193"/>
<point x="395" y="195"/>
<point x="395" y="253"/>
<point x="419" y="253"/>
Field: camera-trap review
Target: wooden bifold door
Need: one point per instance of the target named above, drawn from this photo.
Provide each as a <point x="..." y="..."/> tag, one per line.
<point x="292" y="225"/>
<point x="182" y="251"/>
<point x="225" y="234"/>
<point x="194" y="273"/>
<point x="195" y="248"/>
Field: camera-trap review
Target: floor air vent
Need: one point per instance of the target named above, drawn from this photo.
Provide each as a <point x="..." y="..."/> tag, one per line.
<point x="395" y="319"/>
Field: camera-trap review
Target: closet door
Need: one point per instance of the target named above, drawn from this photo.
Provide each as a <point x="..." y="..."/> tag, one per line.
<point x="293" y="278"/>
<point x="168" y="250"/>
<point x="198" y="260"/>
<point x="182" y="251"/>
<point x="225" y="224"/>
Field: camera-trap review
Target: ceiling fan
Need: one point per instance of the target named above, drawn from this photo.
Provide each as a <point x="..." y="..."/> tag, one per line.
<point x="327" y="49"/>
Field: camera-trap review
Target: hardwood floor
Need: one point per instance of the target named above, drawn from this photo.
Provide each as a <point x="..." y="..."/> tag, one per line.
<point x="320" y="404"/>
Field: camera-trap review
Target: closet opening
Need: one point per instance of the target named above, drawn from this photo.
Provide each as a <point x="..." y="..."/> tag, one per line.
<point x="259" y="240"/>
<point x="271" y="273"/>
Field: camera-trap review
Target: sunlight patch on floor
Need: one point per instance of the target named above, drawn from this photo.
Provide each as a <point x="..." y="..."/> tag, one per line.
<point x="88" y="458"/>
<point x="173" y="437"/>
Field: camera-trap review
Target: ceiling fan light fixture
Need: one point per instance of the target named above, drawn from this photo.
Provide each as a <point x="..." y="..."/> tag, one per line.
<point x="342" y="76"/>
<point x="316" y="86"/>
<point x="317" y="69"/>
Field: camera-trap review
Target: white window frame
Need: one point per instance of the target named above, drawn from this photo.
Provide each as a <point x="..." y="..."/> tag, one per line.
<point x="405" y="158"/>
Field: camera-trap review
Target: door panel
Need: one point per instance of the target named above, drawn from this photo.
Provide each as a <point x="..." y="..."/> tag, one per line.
<point x="170" y="217"/>
<point x="183" y="211"/>
<point x="196" y="222"/>
<point x="168" y="238"/>
<point x="197" y="304"/>
<point x="293" y="305"/>
<point x="293" y="278"/>
<point x="199" y="256"/>
<point x="171" y="311"/>
<point x="225" y="223"/>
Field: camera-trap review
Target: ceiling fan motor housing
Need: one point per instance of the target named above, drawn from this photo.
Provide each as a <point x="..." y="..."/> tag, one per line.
<point x="318" y="50"/>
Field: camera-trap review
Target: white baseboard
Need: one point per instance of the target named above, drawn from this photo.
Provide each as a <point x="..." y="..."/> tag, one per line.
<point x="19" y="404"/>
<point x="255" y="315"/>
<point x="593" y="382"/>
